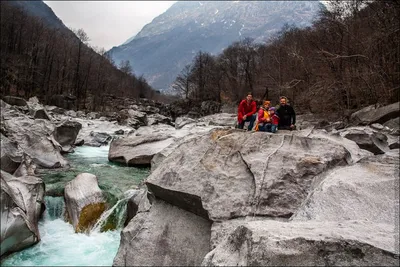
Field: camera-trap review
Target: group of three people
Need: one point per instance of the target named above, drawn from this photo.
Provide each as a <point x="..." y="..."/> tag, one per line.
<point x="270" y="119"/>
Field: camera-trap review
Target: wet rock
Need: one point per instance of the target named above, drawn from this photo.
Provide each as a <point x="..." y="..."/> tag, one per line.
<point x="84" y="201"/>
<point x="79" y="142"/>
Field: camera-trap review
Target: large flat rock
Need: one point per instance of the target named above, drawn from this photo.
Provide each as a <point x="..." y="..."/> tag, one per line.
<point x="229" y="173"/>
<point x="271" y="243"/>
<point x="138" y="150"/>
<point x="367" y="190"/>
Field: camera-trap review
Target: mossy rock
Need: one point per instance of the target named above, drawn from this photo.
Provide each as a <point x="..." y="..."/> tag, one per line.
<point x="89" y="216"/>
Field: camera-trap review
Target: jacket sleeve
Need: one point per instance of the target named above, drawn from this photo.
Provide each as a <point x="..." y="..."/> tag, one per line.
<point x="253" y="109"/>
<point x="260" y="115"/>
<point x="240" y="112"/>
<point x="293" y="116"/>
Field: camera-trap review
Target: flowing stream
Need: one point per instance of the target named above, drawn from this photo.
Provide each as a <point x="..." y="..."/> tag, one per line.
<point x="60" y="245"/>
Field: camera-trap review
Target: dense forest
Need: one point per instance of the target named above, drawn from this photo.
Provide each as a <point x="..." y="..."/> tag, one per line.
<point x="347" y="59"/>
<point x="40" y="60"/>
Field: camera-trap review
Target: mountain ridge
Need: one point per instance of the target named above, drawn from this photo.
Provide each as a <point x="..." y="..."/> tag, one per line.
<point x="170" y="41"/>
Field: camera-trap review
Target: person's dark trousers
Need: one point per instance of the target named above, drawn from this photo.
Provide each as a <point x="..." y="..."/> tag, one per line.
<point x="266" y="127"/>
<point x="251" y="119"/>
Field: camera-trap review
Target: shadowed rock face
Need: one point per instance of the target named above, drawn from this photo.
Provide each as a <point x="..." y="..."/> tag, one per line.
<point x="21" y="206"/>
<point x="164" y="236"/>
<point x="11" y="155"/>
<point x="84" y="201"/>
<point x="65" y="133"/>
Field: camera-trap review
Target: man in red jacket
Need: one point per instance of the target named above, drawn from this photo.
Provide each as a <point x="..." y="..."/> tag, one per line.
<point x="247" y="112"/>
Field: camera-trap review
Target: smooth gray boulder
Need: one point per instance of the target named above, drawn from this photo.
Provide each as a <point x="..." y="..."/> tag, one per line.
<point x="133" y="118"/>
<point x="393" y="124"/>
<point x="230" y="173"/>
<point x="98" y="139"/>
<point x="154" y="119"/>
<point x="271" y="243"/>
<point x="34" y="137"/>
<point x="65" y="134"/>
<point x="36" y="110"/>
<point x="164" y="236"/>
<point x="356" y="153"/>
<point x="372" y="141"/>
<point x="182" y="121"/>
<point x="21" y="207"/>
<point x="220" y="119"/>
<point x="11" y="155"/>
<point x="84" y="201"/>
<point x="138" y="150"/>
<point x="372" y="114"/>
<point x="367" y="190"/>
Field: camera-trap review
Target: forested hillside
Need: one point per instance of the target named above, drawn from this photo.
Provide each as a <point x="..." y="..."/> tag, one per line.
<point x="347" y="59"/>
<point x="39" y="60"/>
<point x="164" y="46"/>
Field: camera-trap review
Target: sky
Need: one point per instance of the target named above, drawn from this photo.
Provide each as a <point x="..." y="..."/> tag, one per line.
<point x="108" y="23"/>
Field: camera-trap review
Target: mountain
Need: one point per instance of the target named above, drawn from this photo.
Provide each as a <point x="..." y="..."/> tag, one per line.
<point x="164" y="46"/>
<point x="42" y="11"/>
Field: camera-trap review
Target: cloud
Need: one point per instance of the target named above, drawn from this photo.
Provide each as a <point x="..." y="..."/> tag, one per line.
<point x="108" y="23"/>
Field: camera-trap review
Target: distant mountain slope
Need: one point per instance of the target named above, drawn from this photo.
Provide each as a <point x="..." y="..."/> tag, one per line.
<point x="164" y="46"/>
<point x="41" y="10"/>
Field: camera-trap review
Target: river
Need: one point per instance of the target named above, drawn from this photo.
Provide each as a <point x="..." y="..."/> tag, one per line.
<point x="60" y="245"/>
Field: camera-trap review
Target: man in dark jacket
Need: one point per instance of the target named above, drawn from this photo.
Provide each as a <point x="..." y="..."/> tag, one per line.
<point x="287" y="115"/>
<point x="247" y="112"/>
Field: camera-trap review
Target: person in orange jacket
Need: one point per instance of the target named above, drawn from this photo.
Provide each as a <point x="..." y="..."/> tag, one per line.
<point x="247" y="112"/>
<point x="263" y="117"/>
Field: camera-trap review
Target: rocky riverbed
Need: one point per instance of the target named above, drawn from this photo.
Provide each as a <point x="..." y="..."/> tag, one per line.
<point x="326" y="194"/>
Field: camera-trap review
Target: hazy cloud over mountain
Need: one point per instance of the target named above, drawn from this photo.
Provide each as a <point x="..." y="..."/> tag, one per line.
<point x="108" y="23"/>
